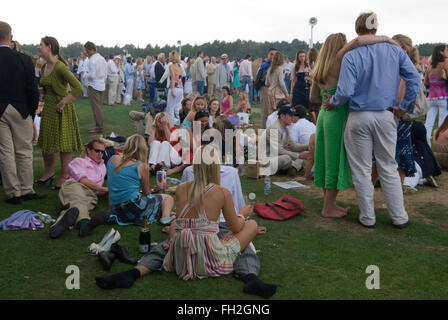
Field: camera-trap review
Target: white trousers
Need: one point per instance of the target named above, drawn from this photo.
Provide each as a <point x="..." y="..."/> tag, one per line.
<point x="164" y="152"/>
<point x="437" y="106"/>
<point x="367" y="133"/>
<point x="173" y="105"/>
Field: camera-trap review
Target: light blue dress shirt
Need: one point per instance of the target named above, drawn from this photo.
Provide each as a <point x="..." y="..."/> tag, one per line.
<point x="370" y="78"/>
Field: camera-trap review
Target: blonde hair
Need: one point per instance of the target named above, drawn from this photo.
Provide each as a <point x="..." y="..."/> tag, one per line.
<point x="159" y="117"/>
<point x="277" y="61"/>
<point x="197" y="99"/>
<point x="174" y="57"/>
<point x="245" y="95"/>
<point x="135" y="149"/>
<point x="406" y="43"/>
<point x="327" y="55"/>
<point x="204" y="174"/>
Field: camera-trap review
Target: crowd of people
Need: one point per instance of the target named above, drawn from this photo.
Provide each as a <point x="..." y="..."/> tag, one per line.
<point x="348" y="115"/>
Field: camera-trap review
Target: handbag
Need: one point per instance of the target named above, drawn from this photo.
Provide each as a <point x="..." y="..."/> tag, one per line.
<point x="284" y="208"/>
<point x="421" y="107"/>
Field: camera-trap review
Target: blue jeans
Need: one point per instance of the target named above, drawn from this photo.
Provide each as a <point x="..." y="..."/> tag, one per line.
<point x="201" y="85"/>
<point x="246" y="81"/>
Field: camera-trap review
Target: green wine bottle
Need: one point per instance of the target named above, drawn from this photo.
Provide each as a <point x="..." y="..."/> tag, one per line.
<point x="144" y="241"/>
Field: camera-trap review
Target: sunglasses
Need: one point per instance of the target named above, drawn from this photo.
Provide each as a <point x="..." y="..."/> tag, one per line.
<point x="99" y="151"/>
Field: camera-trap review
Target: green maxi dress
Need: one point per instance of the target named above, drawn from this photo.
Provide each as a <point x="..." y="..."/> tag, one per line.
<point x="59" y="132"/>
<point x="332" y="170"/>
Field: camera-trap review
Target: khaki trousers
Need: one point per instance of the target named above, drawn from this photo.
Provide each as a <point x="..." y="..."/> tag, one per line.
<point x="16" y="153"/>
<point x="264" y="104"/>
<point x="212" y="92"/>
<point x="96" y="101"/>
<point x="118" y="92"/>
<point x="75" y="194"/>
<point x="137" y="119"/>
<point x="111" y="91"/>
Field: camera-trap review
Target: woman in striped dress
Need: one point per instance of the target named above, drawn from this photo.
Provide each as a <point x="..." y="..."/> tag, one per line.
<point x="195" y="251"/>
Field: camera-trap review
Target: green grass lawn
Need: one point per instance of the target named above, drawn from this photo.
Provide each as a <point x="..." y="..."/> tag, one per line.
<point x="308" y="257"/>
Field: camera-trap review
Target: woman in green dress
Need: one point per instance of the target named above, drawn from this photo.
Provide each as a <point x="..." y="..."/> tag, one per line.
<point x="59" y="131"/>
<point x="332" y="171"/>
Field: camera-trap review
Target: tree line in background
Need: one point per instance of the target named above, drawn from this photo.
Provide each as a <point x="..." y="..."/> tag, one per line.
<point x="238" y="48"/>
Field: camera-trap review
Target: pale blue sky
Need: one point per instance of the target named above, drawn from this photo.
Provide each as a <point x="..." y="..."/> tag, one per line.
<point x="141" y="22"/>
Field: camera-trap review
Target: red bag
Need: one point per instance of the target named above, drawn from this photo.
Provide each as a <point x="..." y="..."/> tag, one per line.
<point x="284" y="208"/>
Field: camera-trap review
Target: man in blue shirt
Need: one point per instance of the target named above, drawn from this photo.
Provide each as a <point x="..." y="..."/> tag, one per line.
<point x="369" y="79"/>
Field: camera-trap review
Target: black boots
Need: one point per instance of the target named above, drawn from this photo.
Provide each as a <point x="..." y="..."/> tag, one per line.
<point x="122" y="254"/>
<point x="116" y="252"/>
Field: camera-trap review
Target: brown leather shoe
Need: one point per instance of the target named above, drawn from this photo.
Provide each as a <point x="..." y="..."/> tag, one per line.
<point x="96" y="130"/>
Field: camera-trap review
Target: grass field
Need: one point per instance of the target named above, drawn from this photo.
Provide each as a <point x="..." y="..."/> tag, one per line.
<point x="308" y="257"/>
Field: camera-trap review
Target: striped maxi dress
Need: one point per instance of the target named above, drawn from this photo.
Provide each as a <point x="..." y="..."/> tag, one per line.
<point x="196" y="252"/>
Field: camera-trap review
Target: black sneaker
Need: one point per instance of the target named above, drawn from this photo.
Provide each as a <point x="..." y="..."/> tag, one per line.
<point x="34" y="196"/>
<point x="14" y="200"/>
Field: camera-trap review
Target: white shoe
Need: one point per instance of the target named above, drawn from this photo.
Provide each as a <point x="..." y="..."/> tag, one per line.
<point x="111" y="237"/>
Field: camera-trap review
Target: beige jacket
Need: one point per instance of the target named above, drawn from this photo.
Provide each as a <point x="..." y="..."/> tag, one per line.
<point x="211" y="72"/>
<point x="276" y="81"/>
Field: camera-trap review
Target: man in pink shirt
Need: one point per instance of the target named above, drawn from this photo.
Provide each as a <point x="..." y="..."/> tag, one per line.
<point x="79" y="194"/>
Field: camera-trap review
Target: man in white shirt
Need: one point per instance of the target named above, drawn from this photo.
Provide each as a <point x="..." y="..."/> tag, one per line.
<point x="96" y="77"/>
<point x="301" y="130"/>
<point x="112" y="81"/>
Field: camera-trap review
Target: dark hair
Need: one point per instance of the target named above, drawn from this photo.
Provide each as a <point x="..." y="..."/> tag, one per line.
<point x="54" y="44"/>
<point x="91" y="143"/>
<point x="301" y="111"/>
<point x="437" y="56"/>
<point x="282" y="102"/>
<point x="272" y="49"/>
<point x="184" y="102"/>
<point x="201" y="114"/>
<point x="199" y="52"/>
<point x="90" y="46"/>
<point x="129" y="60"/>
<point x="218" y="112"/>
<point x="297" y="64"/>
<point x="248" y="56"/>
<point x="227" y="89"/>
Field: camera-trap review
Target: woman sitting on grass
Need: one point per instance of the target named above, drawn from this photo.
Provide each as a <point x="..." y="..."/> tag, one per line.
<point x="195" y="250"/>
<point x="199" y="103"/>
<point x="127" y="173"/>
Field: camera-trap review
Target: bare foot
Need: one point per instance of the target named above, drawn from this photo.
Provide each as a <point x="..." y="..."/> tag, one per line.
<point x="345" y="210"/>
<point x="166" y="229"/>
<point x="333" y="214"/>
<point x="262" y="230"/>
